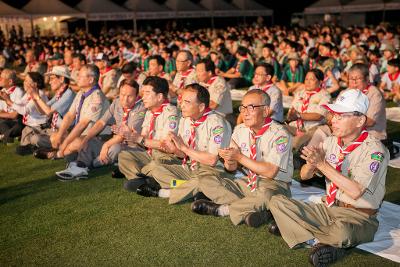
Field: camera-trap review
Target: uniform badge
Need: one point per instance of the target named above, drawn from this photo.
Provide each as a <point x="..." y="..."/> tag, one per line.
<point x="332" y="158"/>
<point x="243" y="147"/>
<point x="218" y="139"/>
<point x="374" y="166"/>
<point x="172" y="125"/>
<point x="281" y="143"/>
<point x="218" y="130"/>
<point x="378" y="156"/>
<point x="141" y="114"/>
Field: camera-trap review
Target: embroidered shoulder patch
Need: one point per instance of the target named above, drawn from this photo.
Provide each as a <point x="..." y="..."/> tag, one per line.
<point x="218" y="130"/>
<point x="281" y="140"/>
<point x="378" y="156"/>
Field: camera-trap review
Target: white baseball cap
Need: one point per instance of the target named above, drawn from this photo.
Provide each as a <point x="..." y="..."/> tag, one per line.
<point x="350" y="100"/>
<point x="60" y="71"/>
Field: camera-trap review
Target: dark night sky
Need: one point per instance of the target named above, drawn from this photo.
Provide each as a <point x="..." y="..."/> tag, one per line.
<point x="282" y="9"/>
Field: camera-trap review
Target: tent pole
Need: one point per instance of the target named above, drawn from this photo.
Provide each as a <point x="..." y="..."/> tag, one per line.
<point x="134" y="23"/>
<point x="86" y="24"/>
<point x="32" y="27"/>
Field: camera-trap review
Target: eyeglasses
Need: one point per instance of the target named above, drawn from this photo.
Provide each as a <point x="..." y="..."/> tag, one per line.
<point x="249" y="108"/>
<point x="341" y="116"/>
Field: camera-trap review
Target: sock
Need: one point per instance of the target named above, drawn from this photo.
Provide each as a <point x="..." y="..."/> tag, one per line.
<point x="312" y="242"/>
<point x="223" y="210"/>
<point x="164" y="193"/>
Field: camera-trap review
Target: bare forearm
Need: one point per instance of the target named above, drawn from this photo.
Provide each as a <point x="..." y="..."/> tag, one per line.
<point x="67" y="121"/>
<point x="95" y="130"/>
<point x="76" y="132"/>
<point x="201" y="156"/>
<point x="350" y="187"/>
<point x="307" y="172"/>
<point x="265" y="169"/>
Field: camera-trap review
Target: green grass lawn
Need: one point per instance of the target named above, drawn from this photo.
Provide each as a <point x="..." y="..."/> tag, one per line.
<point x="95" y="222"/>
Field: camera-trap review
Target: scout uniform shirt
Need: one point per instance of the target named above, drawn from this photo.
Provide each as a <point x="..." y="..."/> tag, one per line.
<point x="367" y="165"/>
<point x="109" y="80"/>
<point x="27" y="108"/>
<point x="180" y="81"/>
<point x="166" y="122"/>
<point x="15" y="94"/>
<point x="276" y="101"/>
<point x="93" y="107"/>
<point x="391" y="80"/>
<point x="274" y="146"/>
<point x="214" y="133"/>
<point x="314" y="106"/>
<point x="220" y="94"/>
<point x="115" y="113"/>
<point x="61" y="105"/>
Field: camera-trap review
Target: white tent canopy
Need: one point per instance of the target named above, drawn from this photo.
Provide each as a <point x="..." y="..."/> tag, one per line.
<point x="364" y="6"/>
<point x="40" y="8"/>
<point x="103" y="10"/>
<point x="324" y="6"/>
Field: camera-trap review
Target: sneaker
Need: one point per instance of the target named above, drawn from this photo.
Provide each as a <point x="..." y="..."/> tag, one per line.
<point x="73" y="172"/>
<point x="323" y="255"/>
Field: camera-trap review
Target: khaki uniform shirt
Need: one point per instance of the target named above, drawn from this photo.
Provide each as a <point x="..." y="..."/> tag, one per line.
<point x="109" y="80"/>
<point x="166" y="122"/>
<point x="377" y="112"/>
<point x="214" y="133"/>
<point x="367" y="165"/>
<point x="191" y="78"/>
<point x="220" y="94"/>
<point x="314" y="106"/>
<point x="93" y="107"/>
<point x="274" y="147"/>
<point x="115" y="113"/>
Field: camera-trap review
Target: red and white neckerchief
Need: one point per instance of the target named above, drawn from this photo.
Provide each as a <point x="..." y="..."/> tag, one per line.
<point x="25" y="117"/>
<point x="162" y="74"/>
<point x="54" y="119"/>
<point x="192" y="141"/>
<point x="102" y="74"/>
<point x="252" y="177"/>
<point x="10" y="90"/>
<point x="394" y="76"/>
<point x="311" y="64"/>
<point x="211" y="81"/>
<point x="127" y="111"/>
<point x="332" y="188"/>
<point x="267" y="86"/>
<point x="304" y="107"/>
<point x="143" y="60"/>
<point x="184" y="75"/>
<point x="155" y="114"/>
<point x="365" y="90"/>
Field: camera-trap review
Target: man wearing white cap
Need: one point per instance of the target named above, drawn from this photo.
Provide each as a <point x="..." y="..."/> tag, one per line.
<point x="355" y="164"/>
<point x="55" y="109"/>
<point x="108" y="76"/>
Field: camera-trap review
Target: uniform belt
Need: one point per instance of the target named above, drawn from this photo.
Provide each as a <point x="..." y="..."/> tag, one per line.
<point x="364" y="210"/>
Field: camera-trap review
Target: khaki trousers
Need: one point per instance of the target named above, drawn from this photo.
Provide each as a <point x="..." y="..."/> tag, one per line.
<point x="335" y="226"/>
<point x="238" y="196"/>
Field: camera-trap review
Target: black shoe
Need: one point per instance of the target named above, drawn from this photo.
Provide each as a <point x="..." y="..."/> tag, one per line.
<point x="200" y="195"/>
<point x="256" y="219"/>
<point x="322" y="255"/>
<point x="273" y="229"/>
<point x="205" y="207"/>
<point x="133" y="184"/>
<point x="24" y="150"/>
<point x="45" y="153"/>
<point x="117" y="174"/>
<point x="147" y="190"/>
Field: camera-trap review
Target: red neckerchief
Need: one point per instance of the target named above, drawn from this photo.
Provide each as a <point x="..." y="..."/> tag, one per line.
<point x="267" y="86"/>
<point x="191" y="142"/>
<point x="25" y="117"/>
<point x="155" y="114"/>
<point x="10" y="90"/>
<point x="332" y="189"/>
<point x="365" y="90"/>
<point x="252" y="177"/>
<point x="102" y="73"/>
<point x="211" y="80"/>
<point x="127" y="111"/>
<point x="54" y="119"/>
<point x="304" y="107"/>
<point x="394" y="77"/>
